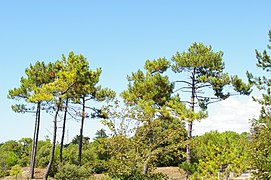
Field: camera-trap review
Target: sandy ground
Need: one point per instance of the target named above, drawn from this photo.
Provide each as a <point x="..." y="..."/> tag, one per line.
<point x="173" y="173"/>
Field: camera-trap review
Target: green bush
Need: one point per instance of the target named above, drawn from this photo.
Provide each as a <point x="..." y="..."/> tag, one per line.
<point x="2" y="173"/>
<point x="137" y="176"/>
<point x="16" y="171"/>
<point x="98" y="166"/>
<point x="71" y="171"/>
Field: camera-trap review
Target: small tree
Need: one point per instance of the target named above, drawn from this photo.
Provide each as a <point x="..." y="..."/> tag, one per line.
<point x="16" y="171"/>
<point x="224" y="152"/>
<point x="72" y="172"/>
<point x="149" y="97"/>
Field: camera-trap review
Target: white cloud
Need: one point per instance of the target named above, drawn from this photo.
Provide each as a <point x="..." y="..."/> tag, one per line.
<point x="232" y="114"/>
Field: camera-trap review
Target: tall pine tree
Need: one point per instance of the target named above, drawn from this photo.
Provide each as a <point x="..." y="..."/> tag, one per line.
<point x="205" y="82"/>
<point x="36" y="76"/>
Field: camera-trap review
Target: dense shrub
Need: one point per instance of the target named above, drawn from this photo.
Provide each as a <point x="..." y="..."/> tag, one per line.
<point x="16" y="171"/>
<point x="137" y="176"/>
<point x="71" y="171"/>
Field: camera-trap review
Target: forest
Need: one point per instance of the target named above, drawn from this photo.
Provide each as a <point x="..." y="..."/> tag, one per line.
<point x="150" y="123"/>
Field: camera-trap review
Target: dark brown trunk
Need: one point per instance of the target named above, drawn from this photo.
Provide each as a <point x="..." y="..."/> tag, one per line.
<point x="35" y="142"/>
<point x="81" y="133"/>
<point x="53" y="142"/>
<point x="190" y="124"/>
<point x="63" y="130"/>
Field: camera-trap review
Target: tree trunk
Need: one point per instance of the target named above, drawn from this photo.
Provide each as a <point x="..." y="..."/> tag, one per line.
<point x="81" y="133"/>
<point x="145" y="168"/>
<point x="146" y="163"/>
<point x="190" y="124"/>
<point x="35" y="142"/>
<point x="63" y="130"/>
<point x="53" y="142"/>
<point x="188" y="148"/>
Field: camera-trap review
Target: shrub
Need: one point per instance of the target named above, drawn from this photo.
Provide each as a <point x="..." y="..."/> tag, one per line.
<point x="16" y="171"/>
<point x="136" y="176"/>
<point x="71" y="171"/>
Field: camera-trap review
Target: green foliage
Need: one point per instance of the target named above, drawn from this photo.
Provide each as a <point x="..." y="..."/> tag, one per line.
<point x="100" y="134"/>
<point x="124" y="159"/>
<point x="206" y="83"/>
<point x="16" y="171"/>
<point x="73" y="172"/>
<point x="157" y="114"/>
<point x="216" y="151"/>
<point x="136" y="176"/>
<point x="7" y="160"/>
<point x="205" y="71"/>
<point x="70" y="154"/>
<point x="25" y="151"/>
<point x="43" y="153"/>
<point x="117" y="121"/>
<point x="188" y="167"/>
<point x="14" y="153"/>
<point x="260" y="151"/>
<point x="152" y="105"/>
<point x="36" y="76"/>
<point x="76" y="140"/>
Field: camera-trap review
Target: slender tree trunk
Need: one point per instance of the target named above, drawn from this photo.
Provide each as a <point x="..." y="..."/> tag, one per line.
<point x="146" y="163"/>
<point x="81" y="133"/>
<point x="53" y="142"/>
<point x="190" y="124"/>
<point x="35" y="142"/>
<point x="145" y="167"/>
<point x="63" y="130"/>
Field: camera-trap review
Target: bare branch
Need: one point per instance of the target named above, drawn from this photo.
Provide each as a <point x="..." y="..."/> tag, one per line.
<point x="93" y="109"/>
<point x="203" y="86"/>
<point x="186" y="82"/>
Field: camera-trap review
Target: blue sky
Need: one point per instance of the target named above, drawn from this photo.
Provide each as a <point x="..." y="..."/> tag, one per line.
<point x="119" y="36"/>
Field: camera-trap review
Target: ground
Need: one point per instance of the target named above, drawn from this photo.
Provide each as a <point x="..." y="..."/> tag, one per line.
<point x="172" y="172"/>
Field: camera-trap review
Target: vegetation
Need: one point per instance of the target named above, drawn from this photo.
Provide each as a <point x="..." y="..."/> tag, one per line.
<point x="260" y="151"/>
<point x="147" y="128"/>
<point x="205" y="71"/>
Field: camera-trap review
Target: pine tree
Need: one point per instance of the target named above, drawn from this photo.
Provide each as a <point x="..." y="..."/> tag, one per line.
<point x="206" y="81"/>
<point x="36" y="75"/>
<point x="260" y="150"/>
<point x="152" y="105"/>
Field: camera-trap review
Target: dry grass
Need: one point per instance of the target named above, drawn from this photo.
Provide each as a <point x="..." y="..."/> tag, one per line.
<point x="174" y="173"/>
<point x="25" y="175"/>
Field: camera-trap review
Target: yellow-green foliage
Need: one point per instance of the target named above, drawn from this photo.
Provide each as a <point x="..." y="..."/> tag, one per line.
<point x="215" y="150"/>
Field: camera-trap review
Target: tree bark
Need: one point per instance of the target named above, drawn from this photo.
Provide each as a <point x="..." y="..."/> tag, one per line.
<point x="35" y="142"/>
<point x="53" y="142"/>
<point x="146" y="163"/>
<point x="145" y="167"/>
<point x="190" y="124"/>
<point x="63" y="130"/>
<point x="81" y="132"/>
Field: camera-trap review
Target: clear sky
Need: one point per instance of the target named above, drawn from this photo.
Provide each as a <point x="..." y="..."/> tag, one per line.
<point x="119" y="36"/>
